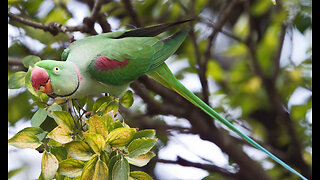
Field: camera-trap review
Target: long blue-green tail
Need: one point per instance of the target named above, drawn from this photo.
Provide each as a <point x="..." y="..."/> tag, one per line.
<point x="164" y="76"/>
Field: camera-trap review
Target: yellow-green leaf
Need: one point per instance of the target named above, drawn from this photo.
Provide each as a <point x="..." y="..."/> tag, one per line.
<point x="120" y="136"/>
<point x="79" y="150"/>
<point x="26" y="138"/>
<point x="127" y="99"/>
<point x="104" y="157"/>
<point x="89" y="168"/>
<point x="140" y="175"/>
<point x="141" y="160"/>
<point x="58" y="15"/>
<point x="49" y="165"/>
<point x="112" y="106"/>
<point x="53" y="107"/>
<point x="95" y="141"/>
<point x="63" y="118"/>
<point x="71" y="167"/>
<point x="98" y="125"/>
<point x="214" y="70"/>
<point x="101" y="171"/>
<point x="61" y="134"/>
<point x="100" y="101"/>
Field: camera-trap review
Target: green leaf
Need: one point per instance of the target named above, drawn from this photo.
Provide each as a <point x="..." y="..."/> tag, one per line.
<point x="15" y="111"/>
<point x="302" y="21"/>
<point x="89" y="168"/>
<point x="146" y="133"/>
<point x="260" y="7"/>
<point x="71" y="167"/>
<point x="38" y="117"/>
<point x="140" y="146"/>
<point x="121" y="169"/>
<point x="95" y="141"/>
<point x="104" y="157"/>
<point x="16" y="80"/>
<point x="101" y="171"/>
<point x="101" y="101"/>
<point x="54" y="143"/>
<point x="140" y="175"/>
<point x="15" y="171"/>
<point x="26" y="138"/>
<point x="98" y="125"/>
<point x="112" y="162"/>
<point x="61" y="134"/>
<point x="58" y="14"/>
<point x="112" y="106"/>
<point x="120" y="136"/>
<point x="30" y="60"/>
<point x="12" y="2"/>
<point x="127" y="99"/>
<point x="141" y="160"/>
<point x="33" y="130"/>
<point x="59" y="152"/>
<point x="49" y="165"/>
<point x="215" y="71"/>
<point x="79" y="150"/>
<point x="53" y="107"/>
<point x="110" y="121"/>
<point x="63" y="118"/>
<point x="117" y="124"/>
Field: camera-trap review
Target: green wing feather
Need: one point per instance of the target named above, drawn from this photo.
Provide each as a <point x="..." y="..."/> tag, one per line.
<point x="149" y="31"/>
<point x="144" y="54"/>
<point x="138" y="51"/>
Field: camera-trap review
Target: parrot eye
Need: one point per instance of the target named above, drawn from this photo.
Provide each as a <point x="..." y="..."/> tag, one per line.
<point x="56" y="69"/>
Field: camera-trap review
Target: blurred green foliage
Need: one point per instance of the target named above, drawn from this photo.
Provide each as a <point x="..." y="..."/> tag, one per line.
<point x="230" y="67"/>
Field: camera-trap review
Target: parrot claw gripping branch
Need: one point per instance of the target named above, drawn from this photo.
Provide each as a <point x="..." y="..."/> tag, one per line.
<point x="109" y="62"/>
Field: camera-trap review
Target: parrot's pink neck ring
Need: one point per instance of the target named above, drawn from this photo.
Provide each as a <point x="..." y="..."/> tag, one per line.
<point x="78" y="72"/>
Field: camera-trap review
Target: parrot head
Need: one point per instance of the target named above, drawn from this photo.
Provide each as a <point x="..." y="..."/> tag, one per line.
<point x="55" y="78"/>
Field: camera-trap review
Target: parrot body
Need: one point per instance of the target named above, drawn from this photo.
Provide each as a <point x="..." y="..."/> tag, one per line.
<point x="109" y="62"/>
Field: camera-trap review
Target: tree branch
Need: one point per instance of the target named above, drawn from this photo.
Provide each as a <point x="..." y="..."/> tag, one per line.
<point x="96" y="9"/>
<point x="132" y="13"/>
<point x="54" y="28"/>
<point x="97" y="16"/>
<point x="202" y="62"/>
<point x="276" y="64"/>
<point x="208" y="167"/>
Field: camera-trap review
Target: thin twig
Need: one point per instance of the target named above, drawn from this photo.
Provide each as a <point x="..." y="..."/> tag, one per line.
<point x="214" y="26"/>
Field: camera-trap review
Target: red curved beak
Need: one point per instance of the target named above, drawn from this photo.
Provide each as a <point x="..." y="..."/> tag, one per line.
<point x="40" y="80"/>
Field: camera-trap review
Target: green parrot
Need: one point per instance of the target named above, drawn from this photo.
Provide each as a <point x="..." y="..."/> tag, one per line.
<point x="109" y="62"/>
